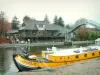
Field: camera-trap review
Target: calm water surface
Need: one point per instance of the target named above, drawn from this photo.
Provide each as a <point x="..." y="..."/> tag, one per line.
<point x="6" y="60"/>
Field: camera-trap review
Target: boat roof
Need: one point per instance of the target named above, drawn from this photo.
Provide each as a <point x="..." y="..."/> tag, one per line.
<point x="74" y="51"/>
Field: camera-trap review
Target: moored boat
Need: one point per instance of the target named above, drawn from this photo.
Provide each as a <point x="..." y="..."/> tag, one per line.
<point x="55" y="57"/>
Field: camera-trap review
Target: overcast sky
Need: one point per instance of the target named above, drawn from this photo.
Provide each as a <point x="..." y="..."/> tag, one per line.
<point x="69" y="10"/>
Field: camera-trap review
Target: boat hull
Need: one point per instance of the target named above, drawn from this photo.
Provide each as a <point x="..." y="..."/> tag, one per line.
<point x="25" y="65"/>
<point x="22" y="67"/>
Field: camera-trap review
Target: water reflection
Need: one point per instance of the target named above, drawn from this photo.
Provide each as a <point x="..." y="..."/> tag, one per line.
<point x="6" y="60"/>
<point x="2" y="60"/>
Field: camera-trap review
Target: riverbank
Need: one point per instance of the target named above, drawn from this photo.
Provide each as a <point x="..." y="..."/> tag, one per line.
<point x="88" y="67"/>
<point x="3" y="40"/>
<point x="44" y="44"/>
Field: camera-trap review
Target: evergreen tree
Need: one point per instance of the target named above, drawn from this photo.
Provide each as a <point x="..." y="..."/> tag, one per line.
<point x="55" y="20"/>
<point x="60" y="22"/>
<point x="68" y="26"/>
<point x="25" y="18"/>
<point x="46" y="19"/>
<point x="15" y="23"/>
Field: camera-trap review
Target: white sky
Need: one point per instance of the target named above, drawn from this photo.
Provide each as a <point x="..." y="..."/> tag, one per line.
<point x="69" y="10"/>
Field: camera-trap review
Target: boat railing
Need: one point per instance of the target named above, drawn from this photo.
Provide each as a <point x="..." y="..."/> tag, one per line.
<point x="54" y="49"/>
<point x="90" y="49"/>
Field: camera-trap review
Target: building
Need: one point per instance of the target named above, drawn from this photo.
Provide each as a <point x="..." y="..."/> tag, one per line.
<point x="41" y="30"/>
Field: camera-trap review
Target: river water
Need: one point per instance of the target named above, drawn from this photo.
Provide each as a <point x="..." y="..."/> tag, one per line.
<point x="6" y="60"/>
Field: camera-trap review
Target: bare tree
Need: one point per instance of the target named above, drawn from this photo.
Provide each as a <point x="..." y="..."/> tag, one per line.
<point x="4" y="24"/>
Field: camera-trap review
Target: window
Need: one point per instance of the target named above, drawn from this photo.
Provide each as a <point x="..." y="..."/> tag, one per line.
<point x="99" y="53"/>
<point x="85" y="55"/>
<point x="92" y="54"/>
<point x="77" y="56"/>
<point x="40" y="25"/>
<point x="68" y="57"/>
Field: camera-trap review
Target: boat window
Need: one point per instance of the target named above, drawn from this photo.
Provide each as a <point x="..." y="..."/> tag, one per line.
<point x="92" y="54"/>
<point x="76" y="56"/>
<point x="68" y="57"/>
<point x="99" y="53"/>
<point x="85" y="55"/>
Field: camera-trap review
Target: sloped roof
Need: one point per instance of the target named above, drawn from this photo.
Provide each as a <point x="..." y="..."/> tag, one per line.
<point x="63" y="31"/>
<point x="33" y="22"/>
<point x="12" y="31"/>
<point x="53" y="27"/>
<point x="31" y="25"/>
<point x="97" y="39"/>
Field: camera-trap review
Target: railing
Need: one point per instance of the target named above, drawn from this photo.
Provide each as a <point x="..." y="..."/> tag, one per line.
<point x="84" y="22"/>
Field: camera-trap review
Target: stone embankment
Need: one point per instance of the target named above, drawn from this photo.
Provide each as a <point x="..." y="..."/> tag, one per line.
<point x="32" y="44"/>
<point x="82" y="42"/>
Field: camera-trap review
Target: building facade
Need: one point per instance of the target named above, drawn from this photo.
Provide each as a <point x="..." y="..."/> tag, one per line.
<point x="41" y="30"/>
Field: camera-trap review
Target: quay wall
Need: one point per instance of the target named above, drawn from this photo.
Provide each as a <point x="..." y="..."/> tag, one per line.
<point x="82" y="42"/>
<point x="32" y="44"/>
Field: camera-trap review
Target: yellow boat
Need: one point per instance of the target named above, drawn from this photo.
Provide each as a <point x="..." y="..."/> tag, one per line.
<point x="55" y="57"/>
